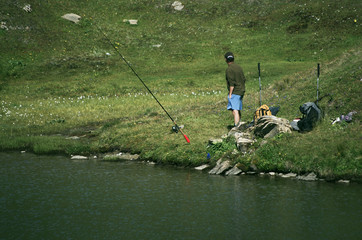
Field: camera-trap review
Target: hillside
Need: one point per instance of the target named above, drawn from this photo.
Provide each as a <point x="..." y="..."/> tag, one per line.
<point x="59" y="79"/>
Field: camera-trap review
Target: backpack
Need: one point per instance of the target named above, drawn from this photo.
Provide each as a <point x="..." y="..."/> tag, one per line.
<point x="311" y="115"/>
<point x="263" y="110"/>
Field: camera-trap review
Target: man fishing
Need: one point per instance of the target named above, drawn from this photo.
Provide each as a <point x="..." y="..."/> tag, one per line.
<point x="235" y="81"/>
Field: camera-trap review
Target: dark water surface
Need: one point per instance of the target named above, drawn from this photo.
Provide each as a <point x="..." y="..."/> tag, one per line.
<point x="50" y="197"/>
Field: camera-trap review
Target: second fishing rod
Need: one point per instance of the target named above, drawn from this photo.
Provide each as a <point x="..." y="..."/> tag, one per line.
<point x="176" y="128"/>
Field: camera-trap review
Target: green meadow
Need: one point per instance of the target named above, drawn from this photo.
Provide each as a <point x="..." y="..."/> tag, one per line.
<point x="59" y="79"/>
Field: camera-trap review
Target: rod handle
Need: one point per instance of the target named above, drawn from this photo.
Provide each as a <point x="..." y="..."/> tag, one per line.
<point x="318" y="69"/>
<point x="187" y="139"/>
<point x="259" y="69"/>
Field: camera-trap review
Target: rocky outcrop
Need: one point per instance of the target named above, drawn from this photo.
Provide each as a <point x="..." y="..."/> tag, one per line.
<point x="265" y="127"/>
<point x="270" y="126"/>
<point x="244" y="136"/>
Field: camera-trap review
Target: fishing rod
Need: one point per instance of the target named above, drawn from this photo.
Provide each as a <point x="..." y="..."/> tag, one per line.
<point x="175" y="128"/>
<point x="259" y="83"/>
<point x="318" y="72"/>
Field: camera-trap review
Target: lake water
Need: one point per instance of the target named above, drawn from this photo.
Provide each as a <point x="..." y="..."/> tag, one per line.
<point x="53" y="197"/>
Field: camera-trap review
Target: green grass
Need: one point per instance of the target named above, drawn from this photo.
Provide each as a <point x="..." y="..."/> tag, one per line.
<point x="57" y="79"/>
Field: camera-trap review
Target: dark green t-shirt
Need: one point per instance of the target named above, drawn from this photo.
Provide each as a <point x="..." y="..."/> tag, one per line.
<point x="235" y="77"/>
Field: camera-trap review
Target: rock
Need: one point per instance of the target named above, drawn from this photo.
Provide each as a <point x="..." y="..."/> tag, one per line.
<point x="79" y="157"/>
<point x="243" y="144"/>
<point x="133" y="21"/>
<point x="233" y="172"/>
<point x="72" y="17"/>
<point x="343" y="181"/>
<point x="308" y="177"/>
<point x="202" y="167"/>
<point x="221" y="167"/>
<point x="178" y="6"/>
<point x="271" y="173"/>
<point x="289" y="175"/>
<point x="270" y="126"/>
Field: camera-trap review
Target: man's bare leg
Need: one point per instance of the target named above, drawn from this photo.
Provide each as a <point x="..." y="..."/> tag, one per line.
<point x="236" y="117"/>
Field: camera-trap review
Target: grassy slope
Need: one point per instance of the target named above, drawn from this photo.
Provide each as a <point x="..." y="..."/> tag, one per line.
<point x="56" y="79"/>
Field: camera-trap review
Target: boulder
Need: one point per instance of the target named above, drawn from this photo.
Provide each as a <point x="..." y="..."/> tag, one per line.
<point x="202" y="167"/>
<point x="178" y="6"/>
<point x="233" y="172"/>
<point x="72" y="17"/>
<point x="221" y="167"/>
<point x="79" y="157"/>
<point x="243" y="139"/>
<point x="270" y="126"/>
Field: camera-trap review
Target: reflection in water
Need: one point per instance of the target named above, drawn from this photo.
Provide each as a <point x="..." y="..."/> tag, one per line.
<point x="56" y="198"/>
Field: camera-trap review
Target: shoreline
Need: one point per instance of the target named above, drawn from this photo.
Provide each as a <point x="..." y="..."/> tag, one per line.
<point x="205" y="168"/>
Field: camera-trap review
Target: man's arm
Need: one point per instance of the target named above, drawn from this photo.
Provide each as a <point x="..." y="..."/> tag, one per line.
<point x="231" y="91"/>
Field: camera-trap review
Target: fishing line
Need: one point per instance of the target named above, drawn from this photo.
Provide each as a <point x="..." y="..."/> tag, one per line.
<point x="259" y="84"/>
<point x="318" y="72"/>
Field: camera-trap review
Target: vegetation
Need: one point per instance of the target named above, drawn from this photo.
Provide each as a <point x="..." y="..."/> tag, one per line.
<point x="59" y="80"/>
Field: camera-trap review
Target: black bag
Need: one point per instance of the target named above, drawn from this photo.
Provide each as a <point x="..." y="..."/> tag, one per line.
<point x="311" y="115"/>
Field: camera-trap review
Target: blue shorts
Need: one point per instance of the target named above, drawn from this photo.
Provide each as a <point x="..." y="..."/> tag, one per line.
<point x="235" y="102"/>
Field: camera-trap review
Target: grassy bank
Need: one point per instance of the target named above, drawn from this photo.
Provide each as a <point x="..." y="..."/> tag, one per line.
<point x="60" y="80"/>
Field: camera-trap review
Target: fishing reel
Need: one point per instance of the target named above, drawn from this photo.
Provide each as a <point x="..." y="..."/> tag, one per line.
<point x="177" y="128"/>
